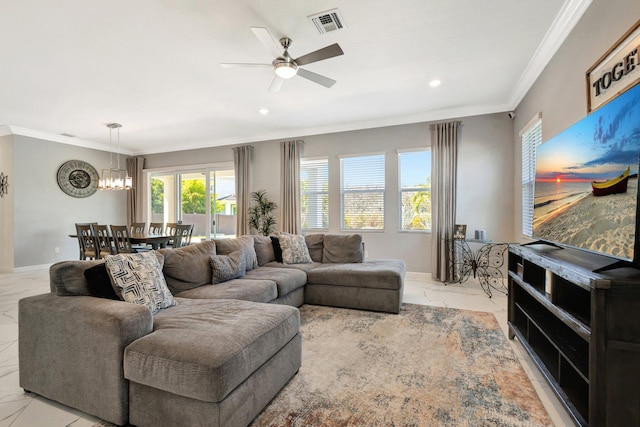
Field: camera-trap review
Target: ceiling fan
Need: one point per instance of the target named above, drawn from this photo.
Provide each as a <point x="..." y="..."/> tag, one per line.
<point x="284" y="66"/>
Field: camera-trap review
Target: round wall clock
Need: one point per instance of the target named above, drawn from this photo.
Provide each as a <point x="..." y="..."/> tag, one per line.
<point x="78" y="178"/>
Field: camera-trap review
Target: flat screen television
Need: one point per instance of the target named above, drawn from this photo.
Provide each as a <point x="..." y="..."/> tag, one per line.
<point x="586" y="185"/>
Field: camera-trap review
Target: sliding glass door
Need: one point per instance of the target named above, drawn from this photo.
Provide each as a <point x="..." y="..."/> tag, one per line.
<point x="204" y="198"/>
<point x="222" y="189"/>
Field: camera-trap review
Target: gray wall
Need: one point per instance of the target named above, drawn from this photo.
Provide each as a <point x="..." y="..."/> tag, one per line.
<point x="44" y="216"/>
<point x="485" y="184"/>
<point x="560" y="91"/>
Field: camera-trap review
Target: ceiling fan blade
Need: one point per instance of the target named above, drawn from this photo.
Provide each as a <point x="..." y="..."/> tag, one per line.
<point x="316" y="78"/>
<point x="276" y="84"/>
<point x="247" y="65"/>
<point x="320" y="54"/>
<point x="268" y="41"/>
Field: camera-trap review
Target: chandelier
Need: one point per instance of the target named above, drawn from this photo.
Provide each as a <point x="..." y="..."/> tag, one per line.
<point x="114" y="179"/>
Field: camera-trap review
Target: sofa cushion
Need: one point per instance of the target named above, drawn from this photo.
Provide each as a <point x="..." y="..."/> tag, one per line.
<point x="204" y="349"/>
<point x="277" y="250"/>
<point x="382" y="274"/>
<point x="294" y="249"/>
<point x="339" y="248"/>
<point x="188" y="267"/>
<point x="227" y="267"/>
<point x="244" y="244"/>
<point x="99" y="282"/>
<point x="286" y="279"/>
<point x="301" y="267"/>
<point x="264" y="250"/>
<point x="242" y="289"/>
<point x="138" y="278"/>
<point x="315" y="245"/>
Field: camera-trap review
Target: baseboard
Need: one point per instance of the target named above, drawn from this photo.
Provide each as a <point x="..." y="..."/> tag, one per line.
<point x="421" y="277"/>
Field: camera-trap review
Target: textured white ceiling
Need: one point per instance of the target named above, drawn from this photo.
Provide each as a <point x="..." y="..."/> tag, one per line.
<point x="154" y="66"/>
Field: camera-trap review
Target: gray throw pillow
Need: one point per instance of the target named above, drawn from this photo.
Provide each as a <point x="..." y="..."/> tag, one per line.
<point x="244" y="244"/>
<point x="227" y="267"/>
<point x="294" y="249"/>
<point x="138" y="278"/>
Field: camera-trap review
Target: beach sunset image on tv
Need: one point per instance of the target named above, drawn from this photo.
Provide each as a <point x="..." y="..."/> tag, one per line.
<point x="587" y="180"/>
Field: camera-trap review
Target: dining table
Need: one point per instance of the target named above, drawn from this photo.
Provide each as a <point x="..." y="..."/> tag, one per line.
<point x="155" y="240"/>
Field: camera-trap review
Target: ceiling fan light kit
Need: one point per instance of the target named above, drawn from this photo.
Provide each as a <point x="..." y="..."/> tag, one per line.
<point x="285" y="70"/>
<point x="286" y="67"/>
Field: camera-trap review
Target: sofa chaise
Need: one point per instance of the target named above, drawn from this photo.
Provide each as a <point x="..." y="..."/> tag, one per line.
<point x="216" y="357"/>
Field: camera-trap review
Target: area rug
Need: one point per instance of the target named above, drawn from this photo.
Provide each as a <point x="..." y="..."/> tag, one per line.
<point x="427" y="366"/>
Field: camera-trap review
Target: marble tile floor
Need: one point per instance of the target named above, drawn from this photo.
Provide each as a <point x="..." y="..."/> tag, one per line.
<point x="20" y="409"/>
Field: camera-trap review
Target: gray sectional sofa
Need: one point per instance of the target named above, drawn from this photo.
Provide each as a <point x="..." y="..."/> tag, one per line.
<point x="217" y="357"/>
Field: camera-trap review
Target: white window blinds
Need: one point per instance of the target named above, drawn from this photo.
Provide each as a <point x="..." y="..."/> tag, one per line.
<point x="314" y="193"/>
<point x="362" y="183"/>
<point x="531" y="138"/>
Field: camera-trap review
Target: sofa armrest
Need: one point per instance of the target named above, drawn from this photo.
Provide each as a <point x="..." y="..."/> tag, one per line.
<point x="71" y="350"/>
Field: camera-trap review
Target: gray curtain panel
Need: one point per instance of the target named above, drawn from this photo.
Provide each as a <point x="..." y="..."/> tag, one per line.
<point x="242" y="166"/>
<point x="444" y="166"/>
<point x="290" y="187"/>
<point x="135" y="213"/>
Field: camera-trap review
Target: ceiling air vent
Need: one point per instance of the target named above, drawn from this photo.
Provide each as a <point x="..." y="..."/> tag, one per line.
<point x="331" y="20"/>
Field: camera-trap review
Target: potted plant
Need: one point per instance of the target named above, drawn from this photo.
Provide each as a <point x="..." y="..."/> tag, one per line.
<point x="261" y="216"/>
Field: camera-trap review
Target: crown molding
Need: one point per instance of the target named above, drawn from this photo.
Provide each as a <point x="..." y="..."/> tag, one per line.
<point x="431" y="116"/>
<point x="563" y="24"/>
<point x="16" y="130"/>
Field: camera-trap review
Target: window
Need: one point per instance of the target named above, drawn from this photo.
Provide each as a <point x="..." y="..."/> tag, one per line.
<point x="314" y="193"/>
<point x="415" y="189"/>
<point x="362" y="192"/>
<point x="531" y="137"/>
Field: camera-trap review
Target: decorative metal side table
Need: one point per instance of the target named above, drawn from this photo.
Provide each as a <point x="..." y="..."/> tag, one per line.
<point x="484" y="263"/>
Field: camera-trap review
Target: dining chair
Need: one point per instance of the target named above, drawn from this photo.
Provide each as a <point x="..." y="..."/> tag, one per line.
<point x="121" y="239"/>
<point x="138" y="227"/>
<point x="156" y="228"/>
<point x="182" y="235"/>
<point x="86" y="241"/>
<point x="102" y="240"/>
<point x="171" y="230"/>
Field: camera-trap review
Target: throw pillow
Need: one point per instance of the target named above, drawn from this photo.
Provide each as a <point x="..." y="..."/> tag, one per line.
<point x="294" y="249"/>
<point x="227" y="267"/>
<point x="277" y="250"/>
<point x="137" y="278"/>
<point x="99" y="283"/>
<point x="244" y="244"/>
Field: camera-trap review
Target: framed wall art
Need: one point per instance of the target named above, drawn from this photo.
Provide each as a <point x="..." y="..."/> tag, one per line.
<point x="4" y="184"/>
<point x="616" y="71"/>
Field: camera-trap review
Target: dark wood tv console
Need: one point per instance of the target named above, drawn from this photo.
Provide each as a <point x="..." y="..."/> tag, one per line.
<point x="581" y="328"/>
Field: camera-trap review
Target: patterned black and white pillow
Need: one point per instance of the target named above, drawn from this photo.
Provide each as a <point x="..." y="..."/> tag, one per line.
<point x="138" y="278"/>
<point x="294" y="249"/>
<point x="227" y="267"/>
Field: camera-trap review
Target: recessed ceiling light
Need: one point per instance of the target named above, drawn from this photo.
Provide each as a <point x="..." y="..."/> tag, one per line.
<point x="263" y="111"/>
<point x="435" y="83"/>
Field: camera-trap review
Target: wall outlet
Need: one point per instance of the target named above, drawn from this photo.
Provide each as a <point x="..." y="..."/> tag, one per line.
<point x="56" y="250"/>
<point x="366" y="254"/>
